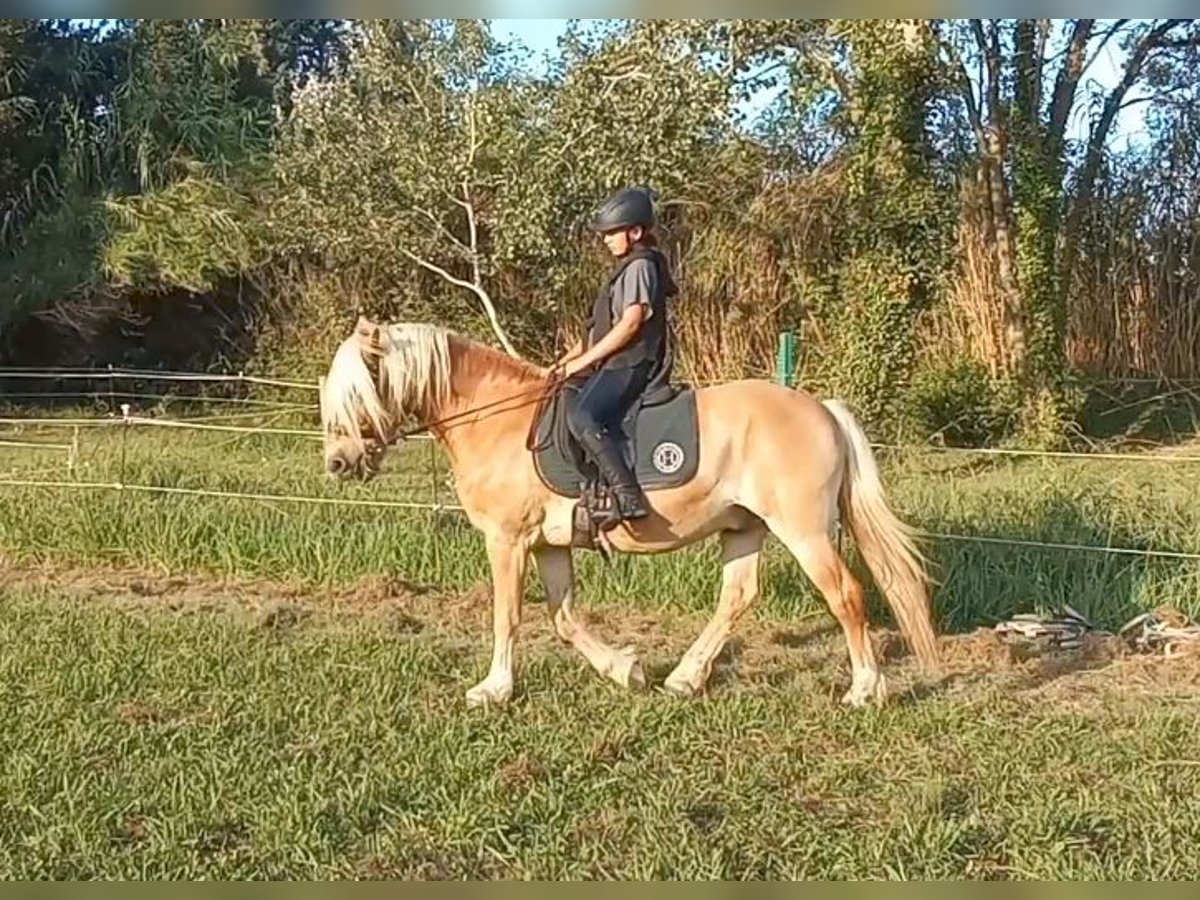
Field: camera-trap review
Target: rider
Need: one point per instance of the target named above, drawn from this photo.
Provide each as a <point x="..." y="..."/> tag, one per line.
<point x="625" y="348"/>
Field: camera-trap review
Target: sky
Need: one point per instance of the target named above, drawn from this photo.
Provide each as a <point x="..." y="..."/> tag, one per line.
<point x="541" y="35"/>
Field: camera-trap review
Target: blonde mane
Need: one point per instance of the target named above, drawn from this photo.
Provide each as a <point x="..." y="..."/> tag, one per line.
<point x="414" y="378"/>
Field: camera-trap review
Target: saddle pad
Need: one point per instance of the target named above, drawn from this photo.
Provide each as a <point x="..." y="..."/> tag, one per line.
<point x="666" y="446"/>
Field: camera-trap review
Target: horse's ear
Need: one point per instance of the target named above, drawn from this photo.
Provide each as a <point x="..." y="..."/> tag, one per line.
<point x="368" y="334"/>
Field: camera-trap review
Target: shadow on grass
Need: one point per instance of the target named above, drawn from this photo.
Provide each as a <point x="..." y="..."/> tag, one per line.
<point x="983" y="583"/>
<point x="1155" y="412"/>
<point x="979" y="584"/>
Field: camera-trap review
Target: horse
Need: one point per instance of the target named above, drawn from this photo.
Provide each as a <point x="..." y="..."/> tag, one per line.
<point x="768" y="459"/>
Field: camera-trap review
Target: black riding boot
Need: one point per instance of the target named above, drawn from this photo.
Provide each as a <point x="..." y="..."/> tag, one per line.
<point x="608" y="459"/>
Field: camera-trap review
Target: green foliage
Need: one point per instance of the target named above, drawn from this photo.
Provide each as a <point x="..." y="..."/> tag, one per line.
<point x="59" y="258"/>
<point x="53" y="78"/>
<point x="955" y="403"/>
<point x="419" y="168"/>
<point x="1048" y="416"/>
<point x="433" y="152"/>
<point x="893" y="237"/>
<point x="160" y="136"/>
<point x="190" y="234"/>
<point x="195" y="94"/>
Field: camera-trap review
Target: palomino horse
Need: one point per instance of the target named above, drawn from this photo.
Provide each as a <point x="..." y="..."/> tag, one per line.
<point x="770" y="459"/>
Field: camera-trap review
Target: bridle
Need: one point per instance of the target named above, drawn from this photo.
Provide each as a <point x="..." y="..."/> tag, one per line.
<point x="539" y="395"/>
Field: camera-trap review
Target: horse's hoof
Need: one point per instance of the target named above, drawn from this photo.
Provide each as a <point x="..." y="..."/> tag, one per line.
<point x="854" y="699"/>
<point x="484" y="694"/>
<point x="627" y="670"/>
<point x="865" y="693"/>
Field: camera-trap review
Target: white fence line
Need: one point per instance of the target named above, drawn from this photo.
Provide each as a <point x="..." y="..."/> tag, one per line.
<point x="151" y="375"/>
<point x="146" y="421"/>
<point x="1055" y="545"/>
<point x="34" y="445"/>
<point x="449" y="507"/>
<point x="203" y="423"/>
<point x="231" y="495"/>
<point x="1048" y="454"/>
<point x="105" y="394"/>
<point x="125" y="373"/>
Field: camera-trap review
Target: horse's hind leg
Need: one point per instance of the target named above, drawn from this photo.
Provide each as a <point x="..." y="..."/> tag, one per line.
<point x="558" y="574"/>
<point x="740" y="554"/>
<point x="842" y="591"/>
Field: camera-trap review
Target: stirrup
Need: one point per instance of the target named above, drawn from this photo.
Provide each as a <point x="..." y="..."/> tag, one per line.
<point x="587" y="526"/>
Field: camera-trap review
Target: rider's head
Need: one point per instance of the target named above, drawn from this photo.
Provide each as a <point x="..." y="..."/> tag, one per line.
<point x="624" y="220"/>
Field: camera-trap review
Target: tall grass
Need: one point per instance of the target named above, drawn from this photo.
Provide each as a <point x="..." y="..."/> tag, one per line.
<point x="1137" y="504"/>
<point x="1135" y="303"/>
<point x="1133" y="306"/>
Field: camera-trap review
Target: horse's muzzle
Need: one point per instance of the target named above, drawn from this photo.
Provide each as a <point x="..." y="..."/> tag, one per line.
<point x="364" y="468"/>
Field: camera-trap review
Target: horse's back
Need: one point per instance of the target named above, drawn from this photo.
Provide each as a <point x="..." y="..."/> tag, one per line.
<point x="756" y="400"/>
<point x="761" y="422"/>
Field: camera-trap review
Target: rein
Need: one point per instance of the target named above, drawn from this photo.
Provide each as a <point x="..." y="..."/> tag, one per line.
<point x="540" y="394"/>
<point x="543" y="390"/>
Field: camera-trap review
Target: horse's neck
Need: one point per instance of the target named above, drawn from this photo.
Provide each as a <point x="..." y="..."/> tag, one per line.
<point x="490" y="396"/>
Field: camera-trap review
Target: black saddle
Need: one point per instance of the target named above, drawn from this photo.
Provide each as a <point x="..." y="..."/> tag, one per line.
<point x="659" y="437"/>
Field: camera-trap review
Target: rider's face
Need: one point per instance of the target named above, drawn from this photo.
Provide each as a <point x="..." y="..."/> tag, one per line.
<point x="618" y="242"/>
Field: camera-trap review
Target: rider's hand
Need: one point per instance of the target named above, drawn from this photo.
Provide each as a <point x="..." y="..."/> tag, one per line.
<point x="573" y="367"/>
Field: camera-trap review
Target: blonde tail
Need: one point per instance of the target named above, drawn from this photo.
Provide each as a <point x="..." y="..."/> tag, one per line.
<point x="886" y="543"/>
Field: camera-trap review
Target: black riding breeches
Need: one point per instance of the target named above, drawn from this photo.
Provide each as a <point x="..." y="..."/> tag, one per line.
<point x="600" y="403"/>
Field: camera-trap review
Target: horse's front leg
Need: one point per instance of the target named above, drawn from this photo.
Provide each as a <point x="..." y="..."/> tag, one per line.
<point x="508" y="559"/>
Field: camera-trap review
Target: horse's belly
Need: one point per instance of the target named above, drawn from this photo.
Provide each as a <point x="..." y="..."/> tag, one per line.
<point x="664" y="533"/>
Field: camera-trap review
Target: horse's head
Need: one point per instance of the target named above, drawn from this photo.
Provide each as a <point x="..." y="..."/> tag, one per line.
<point x="355" y="420"/>
<point x="380" y="375"/>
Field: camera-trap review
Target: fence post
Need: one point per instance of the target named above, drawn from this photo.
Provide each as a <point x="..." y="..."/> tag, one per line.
<point x="785" y="359"/>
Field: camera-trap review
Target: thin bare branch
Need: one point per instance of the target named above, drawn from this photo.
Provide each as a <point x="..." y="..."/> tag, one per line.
<point x="473" y="134"/>
<point x="484" y="298"/>
<point x="968" y="93"/>
<point x="611" y="81"/>
<point x="1043" y="35"/>
<point x="754" y="75"/>
<point x="839" y="79"/>
<point x="417" y="95"/>
<point x="1105" y="37"/>
<point x="1134" y="65"/>
<point x="472" y="231"/>
<point x="990" y="52"/>
<point x="442" y="229"/>
<point x="467" y="203"/>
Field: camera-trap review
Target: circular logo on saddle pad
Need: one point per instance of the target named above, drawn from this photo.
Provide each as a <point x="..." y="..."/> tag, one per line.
<point x="668" y="457"/>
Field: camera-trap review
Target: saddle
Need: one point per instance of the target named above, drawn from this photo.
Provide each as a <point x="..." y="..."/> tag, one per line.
<point x="659" y="437"/>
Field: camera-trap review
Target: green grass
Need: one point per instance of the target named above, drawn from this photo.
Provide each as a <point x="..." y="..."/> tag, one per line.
<point x="1141" y="505"/>
<point x="218" y="688"/>
<point x="151" y="738"/>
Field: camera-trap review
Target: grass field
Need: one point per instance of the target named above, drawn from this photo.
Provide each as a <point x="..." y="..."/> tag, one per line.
<point x="211" y="687"/>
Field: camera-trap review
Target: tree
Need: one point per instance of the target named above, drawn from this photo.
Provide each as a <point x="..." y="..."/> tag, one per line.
<point x="1020" y="83"/>
<point x="398" y="157"/>
<point x="435" y="151"/>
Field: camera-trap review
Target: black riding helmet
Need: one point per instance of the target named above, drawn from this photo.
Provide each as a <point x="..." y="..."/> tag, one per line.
<point x="625" y="209"/>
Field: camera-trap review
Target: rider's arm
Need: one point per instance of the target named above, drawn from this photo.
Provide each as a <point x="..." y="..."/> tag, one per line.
<point x="571" y="354"/>
<point x="618" y="336"/>
<point x="632" y="297"/>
